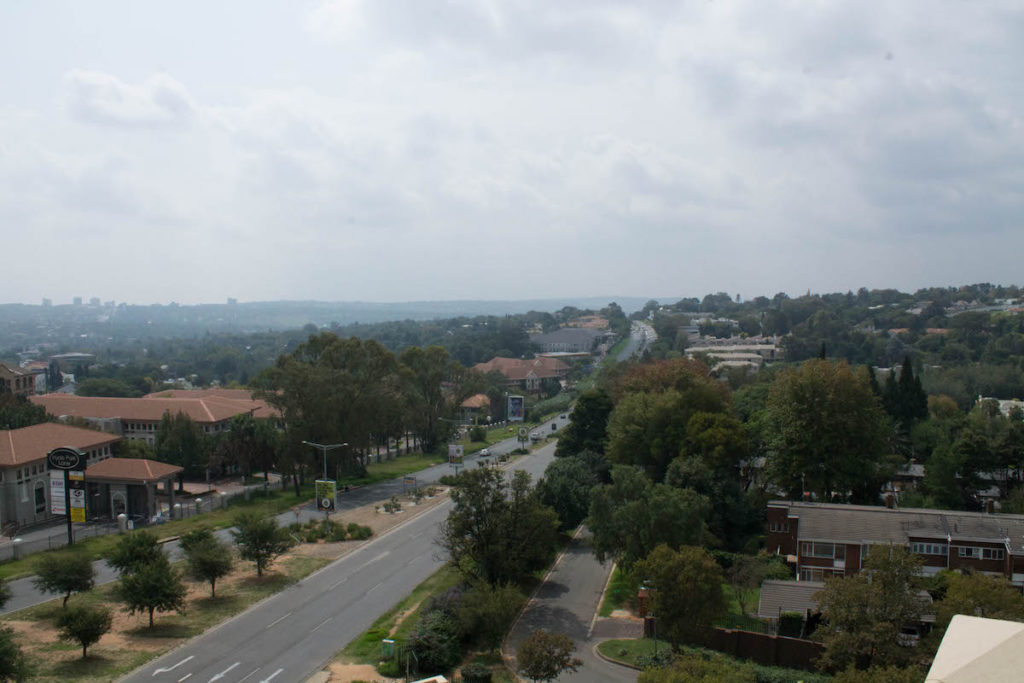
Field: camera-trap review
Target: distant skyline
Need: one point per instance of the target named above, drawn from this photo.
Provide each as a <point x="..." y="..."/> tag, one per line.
<point x="400" y="150"/>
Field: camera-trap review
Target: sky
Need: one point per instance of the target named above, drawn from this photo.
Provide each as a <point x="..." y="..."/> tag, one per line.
<point x="410" y="150"/>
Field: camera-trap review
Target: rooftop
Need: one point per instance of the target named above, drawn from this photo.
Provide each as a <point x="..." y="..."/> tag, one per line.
<point x="211" y="407"/>
<point x="31" y="444"/>
<point x="134" y="470"/>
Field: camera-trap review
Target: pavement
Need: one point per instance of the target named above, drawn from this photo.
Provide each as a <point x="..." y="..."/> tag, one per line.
<point x="568" y="601"/>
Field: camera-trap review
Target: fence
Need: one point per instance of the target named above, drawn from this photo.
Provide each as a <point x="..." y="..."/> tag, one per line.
<point x="791" y="653"/>
<point x="57" y="538"/>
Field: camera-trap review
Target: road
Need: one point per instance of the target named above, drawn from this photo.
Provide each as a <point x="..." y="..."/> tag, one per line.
<point x="24" y="594"/>
<point x="292" y="635"/>
<point x="567" y="602"/>
<point x="640" y="335"/>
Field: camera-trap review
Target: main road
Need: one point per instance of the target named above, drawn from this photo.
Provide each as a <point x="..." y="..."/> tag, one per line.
<point x="293" y="634"/>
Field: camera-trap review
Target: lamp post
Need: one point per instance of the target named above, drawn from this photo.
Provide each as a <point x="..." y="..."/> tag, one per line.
<point x="323" y="449"/>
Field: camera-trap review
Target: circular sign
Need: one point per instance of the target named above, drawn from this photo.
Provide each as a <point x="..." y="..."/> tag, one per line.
<point x="327" y="503"/>
<point x="522" y="432"/>
<point x="66" y="459"/>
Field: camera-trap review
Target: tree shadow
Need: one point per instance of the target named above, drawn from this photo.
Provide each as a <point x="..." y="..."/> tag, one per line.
<point x="167" y="629"/>
<point x="96" y="666"/>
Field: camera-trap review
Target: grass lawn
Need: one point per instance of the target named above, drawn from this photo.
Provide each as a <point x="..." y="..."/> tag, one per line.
<point x="132" y="642"/>
<point x="735" y="618"/>
<point x="621" y="594"/>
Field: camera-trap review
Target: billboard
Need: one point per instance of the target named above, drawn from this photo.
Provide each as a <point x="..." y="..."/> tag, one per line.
<point x="326" y="490"/>
<point x="455" y="453"/>
<point x="516" y="409"/>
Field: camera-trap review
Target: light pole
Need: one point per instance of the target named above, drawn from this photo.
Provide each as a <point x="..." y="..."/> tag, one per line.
<point x="323" y="449"/>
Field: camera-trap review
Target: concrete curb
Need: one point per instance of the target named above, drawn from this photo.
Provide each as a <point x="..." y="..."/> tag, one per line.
<point x="600" y="655"/>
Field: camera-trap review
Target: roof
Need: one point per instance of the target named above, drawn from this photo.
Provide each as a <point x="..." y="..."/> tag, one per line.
<point x="787" y="596"/>
<point x="212" y="408"/>
<point x="133" y="470"/>
<point x="568" y="335"/>
<point x="476" y="401"/>
<point x="242" y="397"/>
<point x="31" y="444"/>
<point x="13" y="370"/>
<point x="870" y="524"/>
<point x="519" y="369"/>
<point x="977" y="650"/>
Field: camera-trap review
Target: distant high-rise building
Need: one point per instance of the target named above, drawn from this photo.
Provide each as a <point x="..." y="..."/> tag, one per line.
<point x="94" y="301"/>
<point x="47" y="302"/>
<point x="77" y="301"/>
<point x="232" y="301"/>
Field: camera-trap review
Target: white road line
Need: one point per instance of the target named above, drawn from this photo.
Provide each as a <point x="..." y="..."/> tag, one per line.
<point x="337" y="583"/>
<point x="321" y="624"/>
<point x="271" y="676"/>
<point x="377" y="558"/>
<point x="224" y="672"/>
<point x="374" y="588"/>
<point x="186" y="676"/>
<point x="277" y="621"/>
<point x="172" y="668"/>
<point x="249" y="674"/>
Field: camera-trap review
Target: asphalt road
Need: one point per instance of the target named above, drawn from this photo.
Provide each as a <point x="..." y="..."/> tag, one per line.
<point x="24" y="594"/>
<point x="293" y="634"/>
<point x="567" y="602"/>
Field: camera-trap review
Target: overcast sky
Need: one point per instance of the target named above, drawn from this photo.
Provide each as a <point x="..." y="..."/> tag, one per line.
<point x="385" y="150"/>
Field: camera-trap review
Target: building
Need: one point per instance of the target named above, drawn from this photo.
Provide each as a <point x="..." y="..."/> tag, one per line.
<point x="824" y="539"/>
<point x="976" y="649"/>
<point x="17" y="381"/>
<point x="525" y="374"/>
<point x="24" y="479"/>
<point x="570" y="340"/>
<point x="473" y="407"/>
<point x="138" y="418"/>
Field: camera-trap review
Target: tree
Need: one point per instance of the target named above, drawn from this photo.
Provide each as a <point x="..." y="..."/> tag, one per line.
<point x="209" y="560"/>
<point x="64" y="572"/>
<point x="181" y="441"/>
<point x="978" y="595"/>
<point x="259" y="539"/>
<point x="544" y="656"/>
<point x="5" y="592"/>
<point x="434" y="385"/>
<point x="249" y="445"/>
<point x="134" y="551"/>
<point x="826" y="432"/>
<point x="485" y="612"/>
<point x="497" y="531"/>
<point x="587" y="430"/>
<point x="865" y="612"/>
<point x="14" y="666"/>
<point x="435" y="643"/>
<point x="631" y="516"/>
<point x="17" y="412"/>
<point x="153" y="587"/>
<point x="565" y="488"/>
<point x="686" y="595"/>
<point x="85" y="625"/>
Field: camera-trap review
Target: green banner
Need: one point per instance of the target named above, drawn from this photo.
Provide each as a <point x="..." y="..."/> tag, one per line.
<point x="326" y="489"/>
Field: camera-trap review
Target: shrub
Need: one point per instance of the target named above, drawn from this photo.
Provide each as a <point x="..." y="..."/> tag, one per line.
<point x="478" y="434"/>
<point x="392" y="506"/>
<point x="359" y="533"/>
<point x="476" y="673"/>
<point x="435" y="643"/>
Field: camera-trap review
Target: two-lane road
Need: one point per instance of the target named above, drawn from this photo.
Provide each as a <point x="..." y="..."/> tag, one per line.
<point x="291" y="635"/>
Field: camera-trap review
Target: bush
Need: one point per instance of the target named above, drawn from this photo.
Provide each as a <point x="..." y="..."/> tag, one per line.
<point x="476" y="673"/>
<point x="435" y="643"/>
<point x="478" y="434"/>
<point x="391" y="668"/>
<point x="359" y="533"/>
<point x="791" y="624"/>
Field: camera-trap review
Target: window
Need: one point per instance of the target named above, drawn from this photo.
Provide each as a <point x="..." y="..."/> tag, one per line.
<point x="973" y="553"/>
<point x="992" y="553"/>
<point x="928" y="548"/>
<point x="816" y="574"/>
<point x="779" y="527"/>
<point x="40" y="497"/>
<point x="828" y="550"/>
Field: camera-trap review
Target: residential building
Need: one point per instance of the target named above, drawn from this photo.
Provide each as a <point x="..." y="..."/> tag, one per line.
<point x="473" y="407"/>
<point x="24" y="477"/>
<point x="825" y="539"/>
<point x="139" y="418"/>
<point x="570" y="340"/>
<point x="525" y="374"/>
<point x="978" y="649"/>
<point x="17" y="381"/>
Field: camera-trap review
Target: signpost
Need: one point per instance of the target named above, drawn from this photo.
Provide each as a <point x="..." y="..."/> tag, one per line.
<point x="455" y="454"/>
<point x="523" y="436"/>
<point x="72" y="462"/>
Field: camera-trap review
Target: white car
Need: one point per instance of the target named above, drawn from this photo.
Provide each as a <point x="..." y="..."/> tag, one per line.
<point x="484" y="452"/>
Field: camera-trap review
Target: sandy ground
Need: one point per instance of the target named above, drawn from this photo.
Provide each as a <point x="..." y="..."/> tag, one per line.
<point x="39" y="639"/>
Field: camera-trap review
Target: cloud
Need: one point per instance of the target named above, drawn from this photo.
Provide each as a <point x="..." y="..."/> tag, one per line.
<point x="99" y="98"/>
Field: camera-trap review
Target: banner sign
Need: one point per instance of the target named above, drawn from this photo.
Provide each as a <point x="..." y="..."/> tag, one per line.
<point x="454" y="453"/>
<point x="326" y="490"/>
<point x="57" y="494"/>
<point x="516" y="408"/>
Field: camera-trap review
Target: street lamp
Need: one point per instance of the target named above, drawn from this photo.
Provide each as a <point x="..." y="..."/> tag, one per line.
<point x="323" y="449"/>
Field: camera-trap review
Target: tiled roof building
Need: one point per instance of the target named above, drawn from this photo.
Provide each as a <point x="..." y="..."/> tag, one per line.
<point x="525" y="374"/>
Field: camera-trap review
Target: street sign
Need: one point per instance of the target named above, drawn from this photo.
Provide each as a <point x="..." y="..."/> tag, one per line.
<point x="326" y="490"/>
<point x="523" y="432"/>
<point x="71" y="488"/>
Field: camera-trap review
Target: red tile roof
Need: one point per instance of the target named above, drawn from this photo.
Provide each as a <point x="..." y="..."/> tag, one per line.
<point x="30" y="444"/>
<point x="243" y="398"/>
<point x="133" y="470"/>
<point x="203" y="410"/>
<point x="516" y="369"/>
<point x="476" y="401"/>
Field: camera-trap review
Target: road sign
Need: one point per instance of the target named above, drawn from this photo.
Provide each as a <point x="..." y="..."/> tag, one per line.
<point x="326" y="490"/>
<point x="522" y="433"/>
<point x="57" y="494"/>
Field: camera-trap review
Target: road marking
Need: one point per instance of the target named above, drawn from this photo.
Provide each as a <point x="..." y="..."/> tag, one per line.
<point x="271" y="676"/>
<point x="321" y="624"/>
<point x="278" y="620"/>
<point x="379" y="557"/>
<point x="186" y="676"/>
<point x="224" y="672"/>
<point x="374" y="588"/>
<point x="172" y="668"/>
<point x="250" y="674"/>
<point x="337" y="583"/>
